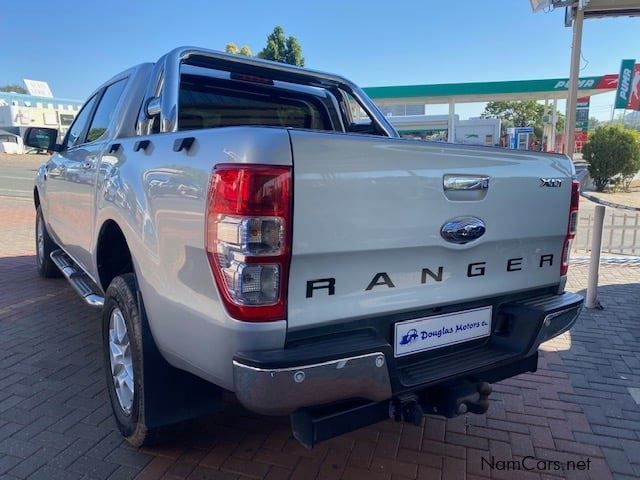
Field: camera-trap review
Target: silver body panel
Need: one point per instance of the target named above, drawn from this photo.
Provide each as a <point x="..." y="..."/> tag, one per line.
<point x="367" y="205"/>
<point x="362" y="204"/>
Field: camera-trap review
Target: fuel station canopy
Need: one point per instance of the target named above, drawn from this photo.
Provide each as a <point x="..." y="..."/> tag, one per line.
<point x="540" y="89"/>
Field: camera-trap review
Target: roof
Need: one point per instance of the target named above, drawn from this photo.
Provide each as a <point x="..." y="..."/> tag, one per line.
<point x="607" y="8"/>
<point x="488" y="91"/>
<point x="21" y="98"/>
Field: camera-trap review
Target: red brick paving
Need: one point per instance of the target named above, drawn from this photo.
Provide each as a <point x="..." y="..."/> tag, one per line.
<point x="55" y="420"/>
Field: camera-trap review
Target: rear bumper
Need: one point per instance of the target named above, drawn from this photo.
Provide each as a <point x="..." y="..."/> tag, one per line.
<point x="360" y="364"/>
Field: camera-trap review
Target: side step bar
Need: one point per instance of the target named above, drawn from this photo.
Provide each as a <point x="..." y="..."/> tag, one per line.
<point x="79" y="280"/>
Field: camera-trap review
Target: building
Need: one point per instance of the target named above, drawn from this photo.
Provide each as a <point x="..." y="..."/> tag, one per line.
<point x="474" y="131"/>
<point x="396" y="101"/>
<point x="20" y="111"/>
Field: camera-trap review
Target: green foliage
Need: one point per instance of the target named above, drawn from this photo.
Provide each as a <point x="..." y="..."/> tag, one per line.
<point x="631" y="167"/>
<point x="293" y="55"/>
<point x="559" y="121"/>
<point x="282" y="49"/>
<point x="525" y="113"/>
<point x="594" y="123"/>
<point x="233" y="48"/>
<point x="613" y="153"/>
<point x="13" y="88"/>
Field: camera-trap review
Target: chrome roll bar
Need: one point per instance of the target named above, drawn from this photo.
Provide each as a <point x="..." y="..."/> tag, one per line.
<point x="166" y="80"/>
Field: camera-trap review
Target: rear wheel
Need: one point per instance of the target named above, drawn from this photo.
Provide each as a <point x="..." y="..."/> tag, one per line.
<point x="44" y="246"/>
<point x="122" y="345"/>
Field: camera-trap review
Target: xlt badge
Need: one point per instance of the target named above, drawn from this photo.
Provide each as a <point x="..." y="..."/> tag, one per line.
<point x="551" y="182"/>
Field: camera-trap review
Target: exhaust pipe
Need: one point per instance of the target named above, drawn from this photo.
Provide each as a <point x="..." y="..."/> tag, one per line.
<point x="406" y="408"/>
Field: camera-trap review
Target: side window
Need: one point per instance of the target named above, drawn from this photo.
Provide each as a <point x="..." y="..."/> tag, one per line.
<point x="80" y="123"/>
<point x="357" y="120"/>
<point x="104" y="112"/>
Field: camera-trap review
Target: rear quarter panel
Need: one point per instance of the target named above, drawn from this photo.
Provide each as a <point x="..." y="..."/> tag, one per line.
<point x="158" y="198"/>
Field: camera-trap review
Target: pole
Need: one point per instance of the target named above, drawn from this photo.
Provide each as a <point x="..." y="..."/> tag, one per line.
<point x="570" y="118"/>
<point x="554" y="121"/>
<point x="594" y="263"/>
<point x="544" y="142"/>
<point x="451" y="134"/>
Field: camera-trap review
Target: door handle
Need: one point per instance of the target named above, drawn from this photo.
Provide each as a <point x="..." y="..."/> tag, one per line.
<point x="86" y="165"/>
<point x="465" y="182"/>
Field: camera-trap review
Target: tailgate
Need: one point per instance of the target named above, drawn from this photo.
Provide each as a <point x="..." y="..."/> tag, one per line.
<point x="368" y="214"/>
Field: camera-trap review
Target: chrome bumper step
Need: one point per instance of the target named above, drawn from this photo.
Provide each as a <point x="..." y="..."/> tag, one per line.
<point x="79" y="280"/>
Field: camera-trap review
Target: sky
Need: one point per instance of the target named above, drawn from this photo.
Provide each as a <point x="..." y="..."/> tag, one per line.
<point x="77" y="45"/>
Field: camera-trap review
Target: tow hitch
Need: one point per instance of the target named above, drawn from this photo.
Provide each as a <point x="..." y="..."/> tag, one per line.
<point x="313" y="425"/>
<point x="458" y="400"/>
<point x="448" y="402"/>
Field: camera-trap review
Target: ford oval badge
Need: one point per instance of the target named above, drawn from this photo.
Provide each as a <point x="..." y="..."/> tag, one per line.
<point x="463" y="230"/>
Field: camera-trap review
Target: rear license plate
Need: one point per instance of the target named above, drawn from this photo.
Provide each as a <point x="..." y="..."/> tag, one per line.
<point x="439" y="331"/>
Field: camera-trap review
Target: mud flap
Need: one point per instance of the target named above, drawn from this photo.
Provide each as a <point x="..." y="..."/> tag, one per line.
<point x="172" y="395"/>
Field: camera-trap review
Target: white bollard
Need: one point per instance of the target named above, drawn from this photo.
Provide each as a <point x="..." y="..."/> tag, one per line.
<point x="594" y="263"/>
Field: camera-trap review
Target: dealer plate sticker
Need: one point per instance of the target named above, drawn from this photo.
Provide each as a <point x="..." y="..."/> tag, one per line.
<point x="439" y="331"/>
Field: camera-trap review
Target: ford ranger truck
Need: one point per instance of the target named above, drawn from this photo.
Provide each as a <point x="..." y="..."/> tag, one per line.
<point x="257" y="228"/>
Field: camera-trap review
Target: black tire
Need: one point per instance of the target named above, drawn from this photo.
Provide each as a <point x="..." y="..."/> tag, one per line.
<point x="46" y="267"/>
<point x="122" y="295"/>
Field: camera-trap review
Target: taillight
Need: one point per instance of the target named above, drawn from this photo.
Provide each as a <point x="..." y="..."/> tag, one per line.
<point x="248" y="237"/>
<point x="572" y="228"/>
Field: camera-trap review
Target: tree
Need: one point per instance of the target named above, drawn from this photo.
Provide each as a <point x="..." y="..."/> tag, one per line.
<point x="612" y="152"/>
<point x="13" y="88"/>
<point x="282" y="49"/>
<point x="293" y="55"/>
<point x="632" y="166"/>
<point x="594" y="123"/>
<point x="559" y="122"/>
<point x="527" y="113"/>
<point x="233" y="48"/>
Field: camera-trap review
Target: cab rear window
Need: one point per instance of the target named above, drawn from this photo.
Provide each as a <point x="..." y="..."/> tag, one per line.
<point x="213" y="103"/>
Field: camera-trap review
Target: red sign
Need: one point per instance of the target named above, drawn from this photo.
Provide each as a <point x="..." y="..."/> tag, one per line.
<point x="581" y="136"/>
<point x="609" y="81"/>
<point x="634" y="95"/>
<point x="580" y="139"/>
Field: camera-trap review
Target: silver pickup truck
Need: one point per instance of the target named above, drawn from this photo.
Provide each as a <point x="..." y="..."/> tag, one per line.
<point x="258" y="228"/>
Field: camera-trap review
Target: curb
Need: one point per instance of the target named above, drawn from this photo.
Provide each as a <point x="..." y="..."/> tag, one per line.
<point x="608" y="204"/>
<point x="622" y="260"/>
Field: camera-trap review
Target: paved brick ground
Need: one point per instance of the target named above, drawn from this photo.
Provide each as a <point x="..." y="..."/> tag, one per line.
<point x="55" y="421"/>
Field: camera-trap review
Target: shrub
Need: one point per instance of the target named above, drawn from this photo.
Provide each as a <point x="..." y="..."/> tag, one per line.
<point x="612" y="151"/>
<point x="633" y="166"/>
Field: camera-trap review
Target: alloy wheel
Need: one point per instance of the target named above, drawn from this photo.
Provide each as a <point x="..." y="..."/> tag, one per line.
<point x="121" y="360"/>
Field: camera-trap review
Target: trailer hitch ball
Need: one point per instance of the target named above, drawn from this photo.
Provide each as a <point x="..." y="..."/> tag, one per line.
<point x="481" y="405"/>
<point x="484" y="389"/>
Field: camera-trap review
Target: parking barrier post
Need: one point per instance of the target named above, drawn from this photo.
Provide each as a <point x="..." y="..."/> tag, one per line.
<point x="594" y="263"/>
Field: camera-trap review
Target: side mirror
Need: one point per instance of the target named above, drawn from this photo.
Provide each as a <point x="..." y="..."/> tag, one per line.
<point x="42" y="138"/>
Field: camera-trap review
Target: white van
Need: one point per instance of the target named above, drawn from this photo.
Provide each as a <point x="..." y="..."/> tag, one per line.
<point x="10" y="143"/>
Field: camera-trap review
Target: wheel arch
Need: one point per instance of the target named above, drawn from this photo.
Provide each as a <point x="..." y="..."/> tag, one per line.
<point x="113" y="256"/>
